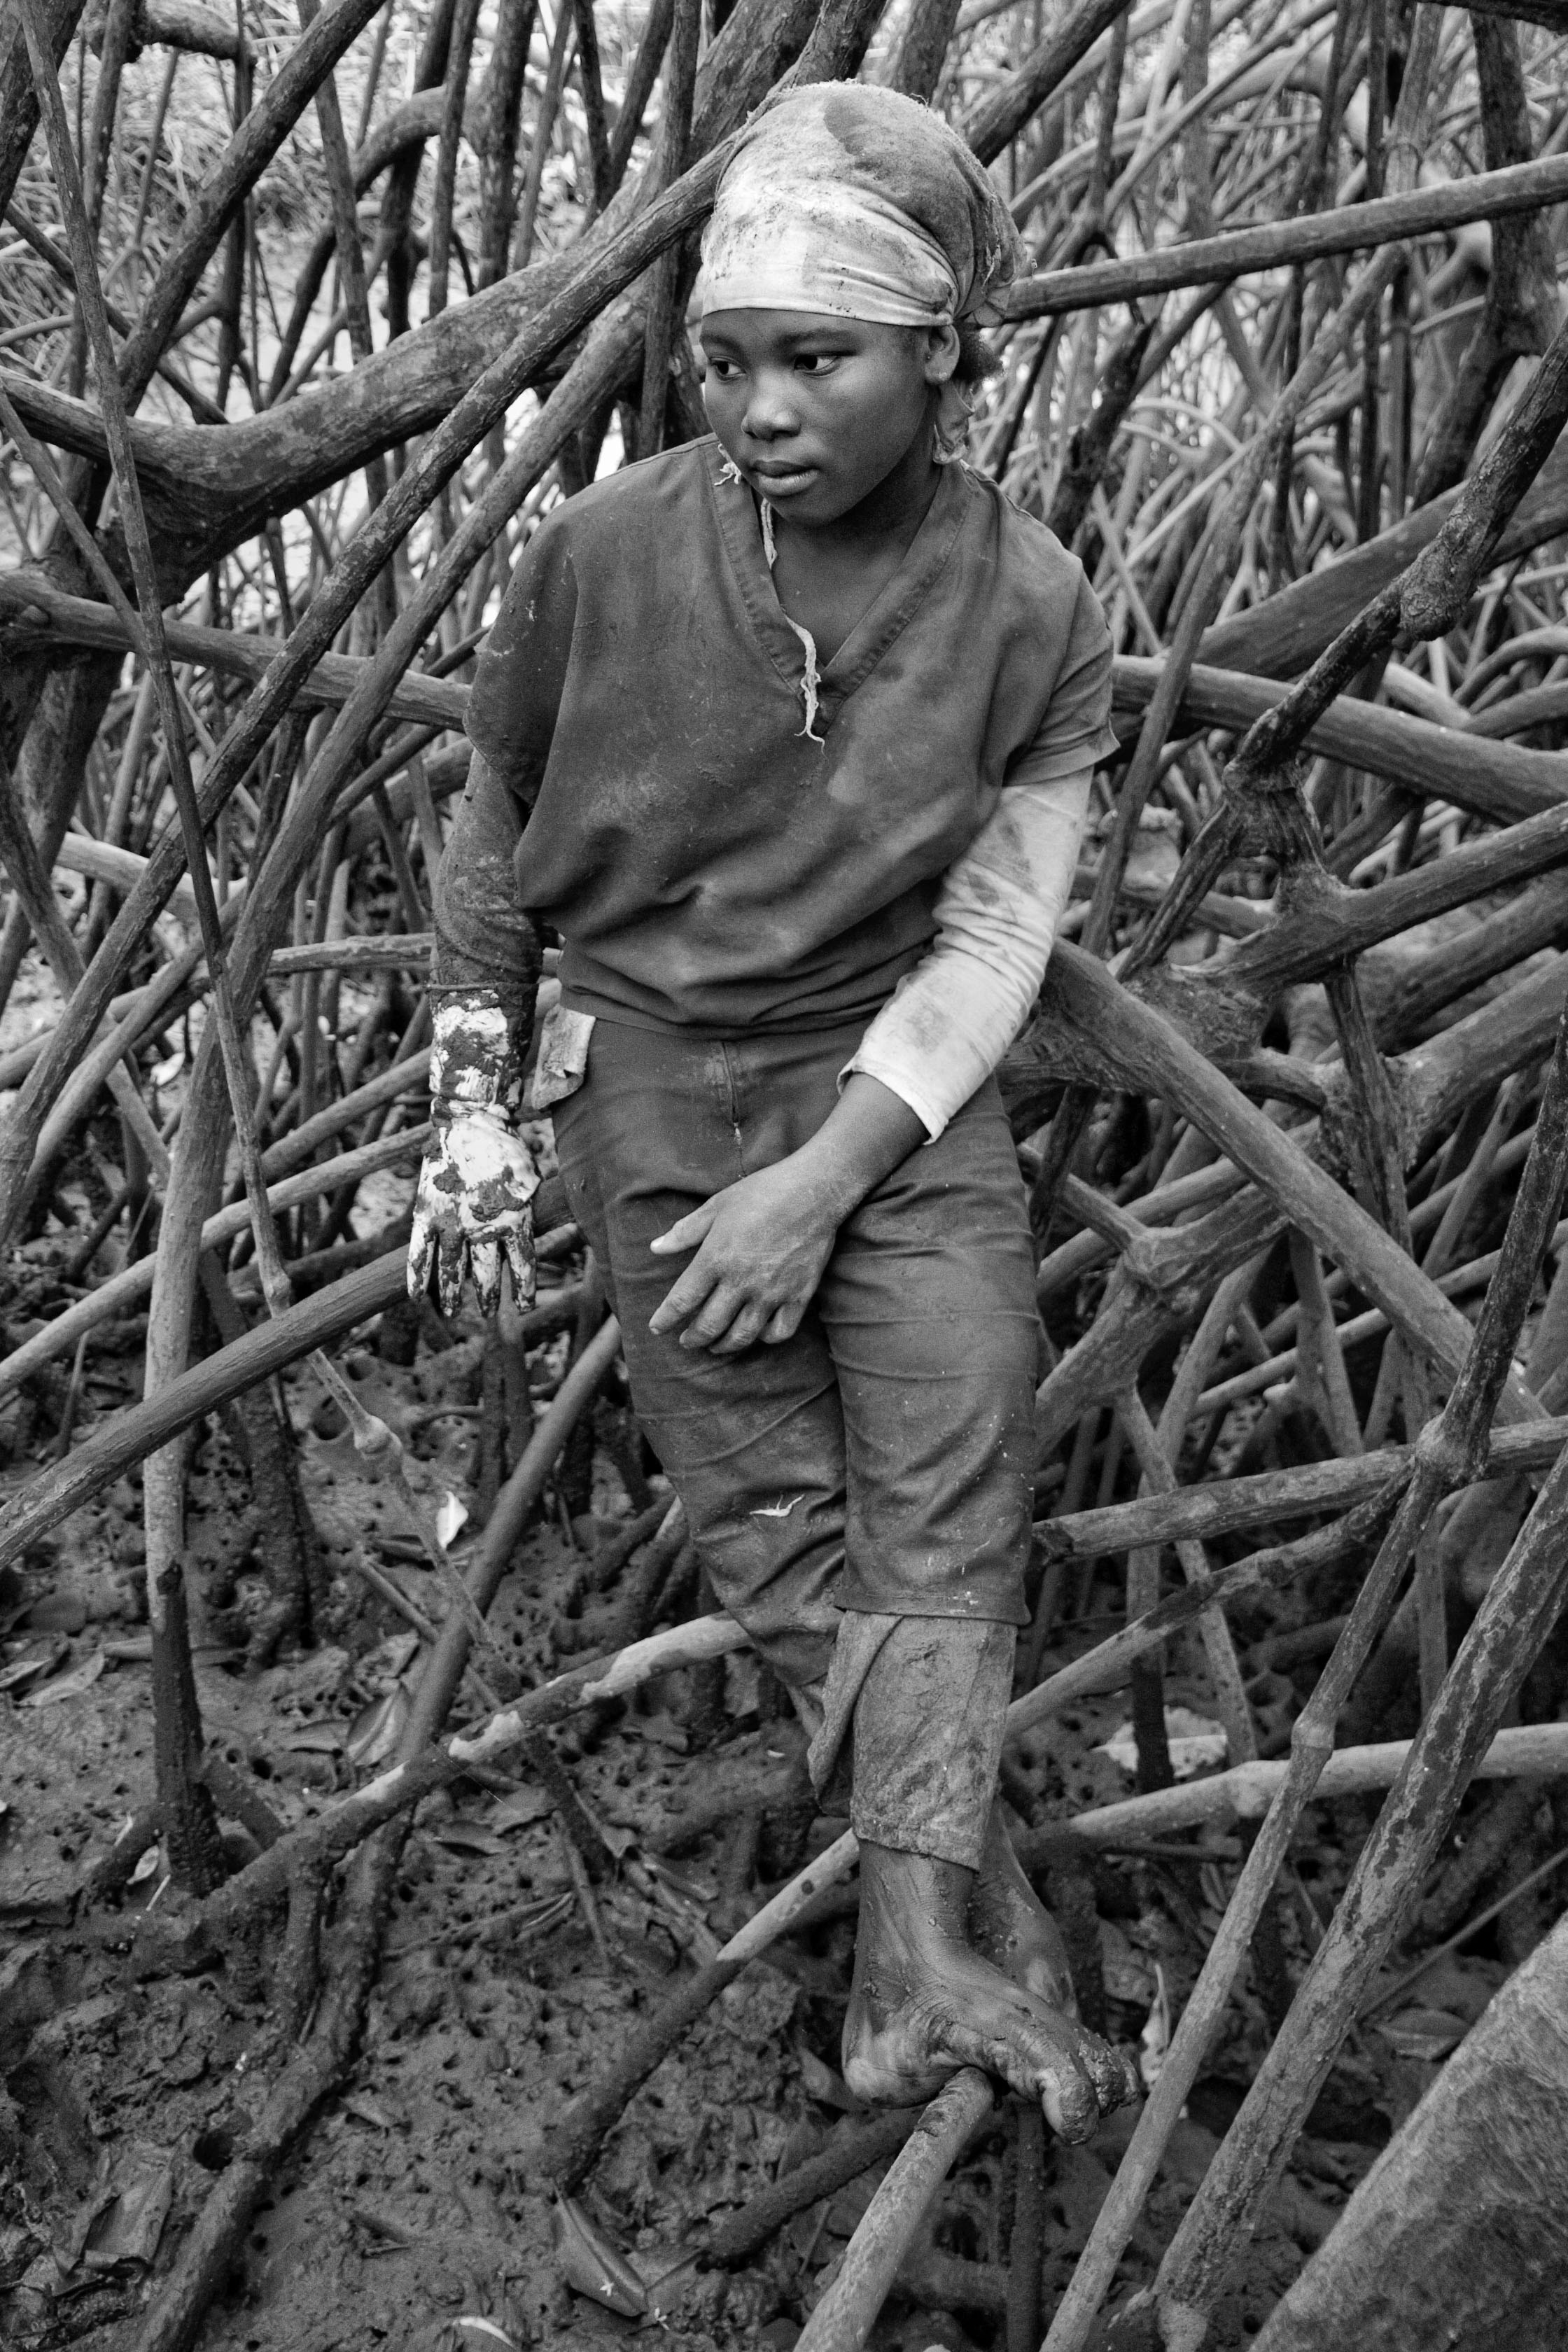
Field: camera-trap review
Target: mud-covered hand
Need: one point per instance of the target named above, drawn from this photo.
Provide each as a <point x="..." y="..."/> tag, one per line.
<point x="472" y="1208"/>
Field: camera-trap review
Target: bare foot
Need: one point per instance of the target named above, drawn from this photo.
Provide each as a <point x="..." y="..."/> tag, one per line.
<point x="923" y="2004"/>
<point x="1010" y="1926"/>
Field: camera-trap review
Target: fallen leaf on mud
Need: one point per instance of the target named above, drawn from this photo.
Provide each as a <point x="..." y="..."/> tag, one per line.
<point x="45" y="2276"/>
<point x="58" y="1612"/>
<point x="41" y="1660"/>
<point x="383" y="2234"/>
<point x="1129" y="1973"/>
<point x="485" y="2329"/>
<point x="378" y="1729"/>
<point x="663" y="1729"/>
<point x="1428" y="2034"/>
<point x="122" y="2221"/>
<point x="72" y="1685"/>
<point x="314" y="1740"/>
<point x="467" y="1837"/>
<point x="151" y="1861"/>
<point x="1462" y="1984"/>
<point x="591" y="2264"/>
<point x="450" y="1516"/>
<point x="1195" y="1742"/>
<point x="1156" y="2033"/>
<point x="366" y="2110"/>
<point x="519" y="1808"/>
<point x="681" y="1882"/>
<point x="312" y="1680"/>
<point x="391" y="1658"/>
<point x="666" y="2287"/>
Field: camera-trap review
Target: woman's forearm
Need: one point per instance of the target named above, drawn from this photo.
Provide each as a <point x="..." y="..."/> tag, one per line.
<point x="952" y="1020"/>
<point x="483" y="938"/>
<point x="870" y="1131"/>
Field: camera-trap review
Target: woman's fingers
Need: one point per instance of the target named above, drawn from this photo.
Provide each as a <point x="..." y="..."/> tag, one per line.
<point x="724" y="1303"/>
<point x="714" y="1304"/>
<point x="745" y="1331"/>
<point x="519" y="1254"/>
<point x="689" y="1231"/>
<point x="740" y="1284"/>
<point x="421" y="1254"/>
<point x="690" y="1292"/>
<point x="451" y="1264"/>
<point x="484" y="1264"/>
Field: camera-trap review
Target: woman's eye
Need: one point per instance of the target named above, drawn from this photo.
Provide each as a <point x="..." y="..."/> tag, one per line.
<point x="725" y="371"/>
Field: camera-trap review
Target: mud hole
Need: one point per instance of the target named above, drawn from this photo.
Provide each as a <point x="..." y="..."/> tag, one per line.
<point x="414" y="2211"/>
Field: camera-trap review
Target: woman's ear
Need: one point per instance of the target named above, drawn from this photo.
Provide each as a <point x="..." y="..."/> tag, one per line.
<point x="942" y="353"/>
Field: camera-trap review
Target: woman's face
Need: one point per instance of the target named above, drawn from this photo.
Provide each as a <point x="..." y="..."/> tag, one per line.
<point x="816" y="412"/>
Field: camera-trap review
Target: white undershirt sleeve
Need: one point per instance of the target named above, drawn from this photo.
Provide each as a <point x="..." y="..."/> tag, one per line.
<point x="951" y="1020"/>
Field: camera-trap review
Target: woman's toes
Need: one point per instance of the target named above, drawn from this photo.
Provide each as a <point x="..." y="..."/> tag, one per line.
<point x="1081" y="2079"/>
<point x="1112" y="2073"/>
<point x="1068" y="2100"/>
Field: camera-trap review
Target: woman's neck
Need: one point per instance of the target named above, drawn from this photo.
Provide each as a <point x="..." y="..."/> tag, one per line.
<point x="888" y="516"/>
<point x="827" y="576"/>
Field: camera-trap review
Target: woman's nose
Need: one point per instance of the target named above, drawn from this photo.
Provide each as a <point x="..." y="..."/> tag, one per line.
<point x="770" y="411"/>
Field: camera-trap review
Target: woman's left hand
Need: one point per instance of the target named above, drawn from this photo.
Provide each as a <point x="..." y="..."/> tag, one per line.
<point x="761" y="1245"/>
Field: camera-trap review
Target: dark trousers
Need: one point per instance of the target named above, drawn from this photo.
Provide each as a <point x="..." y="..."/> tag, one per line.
<point x="880" y="1462"/>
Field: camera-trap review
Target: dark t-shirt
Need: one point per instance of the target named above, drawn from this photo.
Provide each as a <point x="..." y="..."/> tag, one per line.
<point x="709" y="863"/>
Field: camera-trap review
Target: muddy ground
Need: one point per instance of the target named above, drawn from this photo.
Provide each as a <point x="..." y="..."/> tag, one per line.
<point x="412" y="2212"/>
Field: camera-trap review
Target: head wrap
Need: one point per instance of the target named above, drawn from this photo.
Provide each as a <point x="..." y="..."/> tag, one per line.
<point x="849" y="201"/>
<point x="852" y="200"/>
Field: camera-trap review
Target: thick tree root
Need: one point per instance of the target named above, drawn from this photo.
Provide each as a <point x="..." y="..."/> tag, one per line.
<point x="1460" y="2232"/>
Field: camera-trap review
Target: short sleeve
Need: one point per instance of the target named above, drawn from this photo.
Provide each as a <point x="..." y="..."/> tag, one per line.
<point x="522" y="673"/>
<point x="1076" y="731"/>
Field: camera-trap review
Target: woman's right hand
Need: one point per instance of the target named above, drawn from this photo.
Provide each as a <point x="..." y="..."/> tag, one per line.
<point x="473" y="1208"/>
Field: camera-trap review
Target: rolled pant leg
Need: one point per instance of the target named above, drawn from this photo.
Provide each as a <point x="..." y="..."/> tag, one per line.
<point x="926" y="1701"/>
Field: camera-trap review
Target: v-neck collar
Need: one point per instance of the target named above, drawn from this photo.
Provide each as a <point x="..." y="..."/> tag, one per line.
<point x="885" y="617"/>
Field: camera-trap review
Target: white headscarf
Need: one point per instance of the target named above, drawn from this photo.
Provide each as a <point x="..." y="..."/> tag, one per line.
<point x="849" y="201"/>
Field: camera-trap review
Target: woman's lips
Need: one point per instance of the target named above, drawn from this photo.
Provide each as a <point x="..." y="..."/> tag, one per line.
<point x="784" y="481"/>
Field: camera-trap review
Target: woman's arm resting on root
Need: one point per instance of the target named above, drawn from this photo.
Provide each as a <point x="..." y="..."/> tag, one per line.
<point x="762" y="1244"/>
<point x="948" y="1024"/>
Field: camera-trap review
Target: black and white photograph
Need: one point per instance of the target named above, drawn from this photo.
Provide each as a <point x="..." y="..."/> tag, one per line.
<point x="783" y="1175"/>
